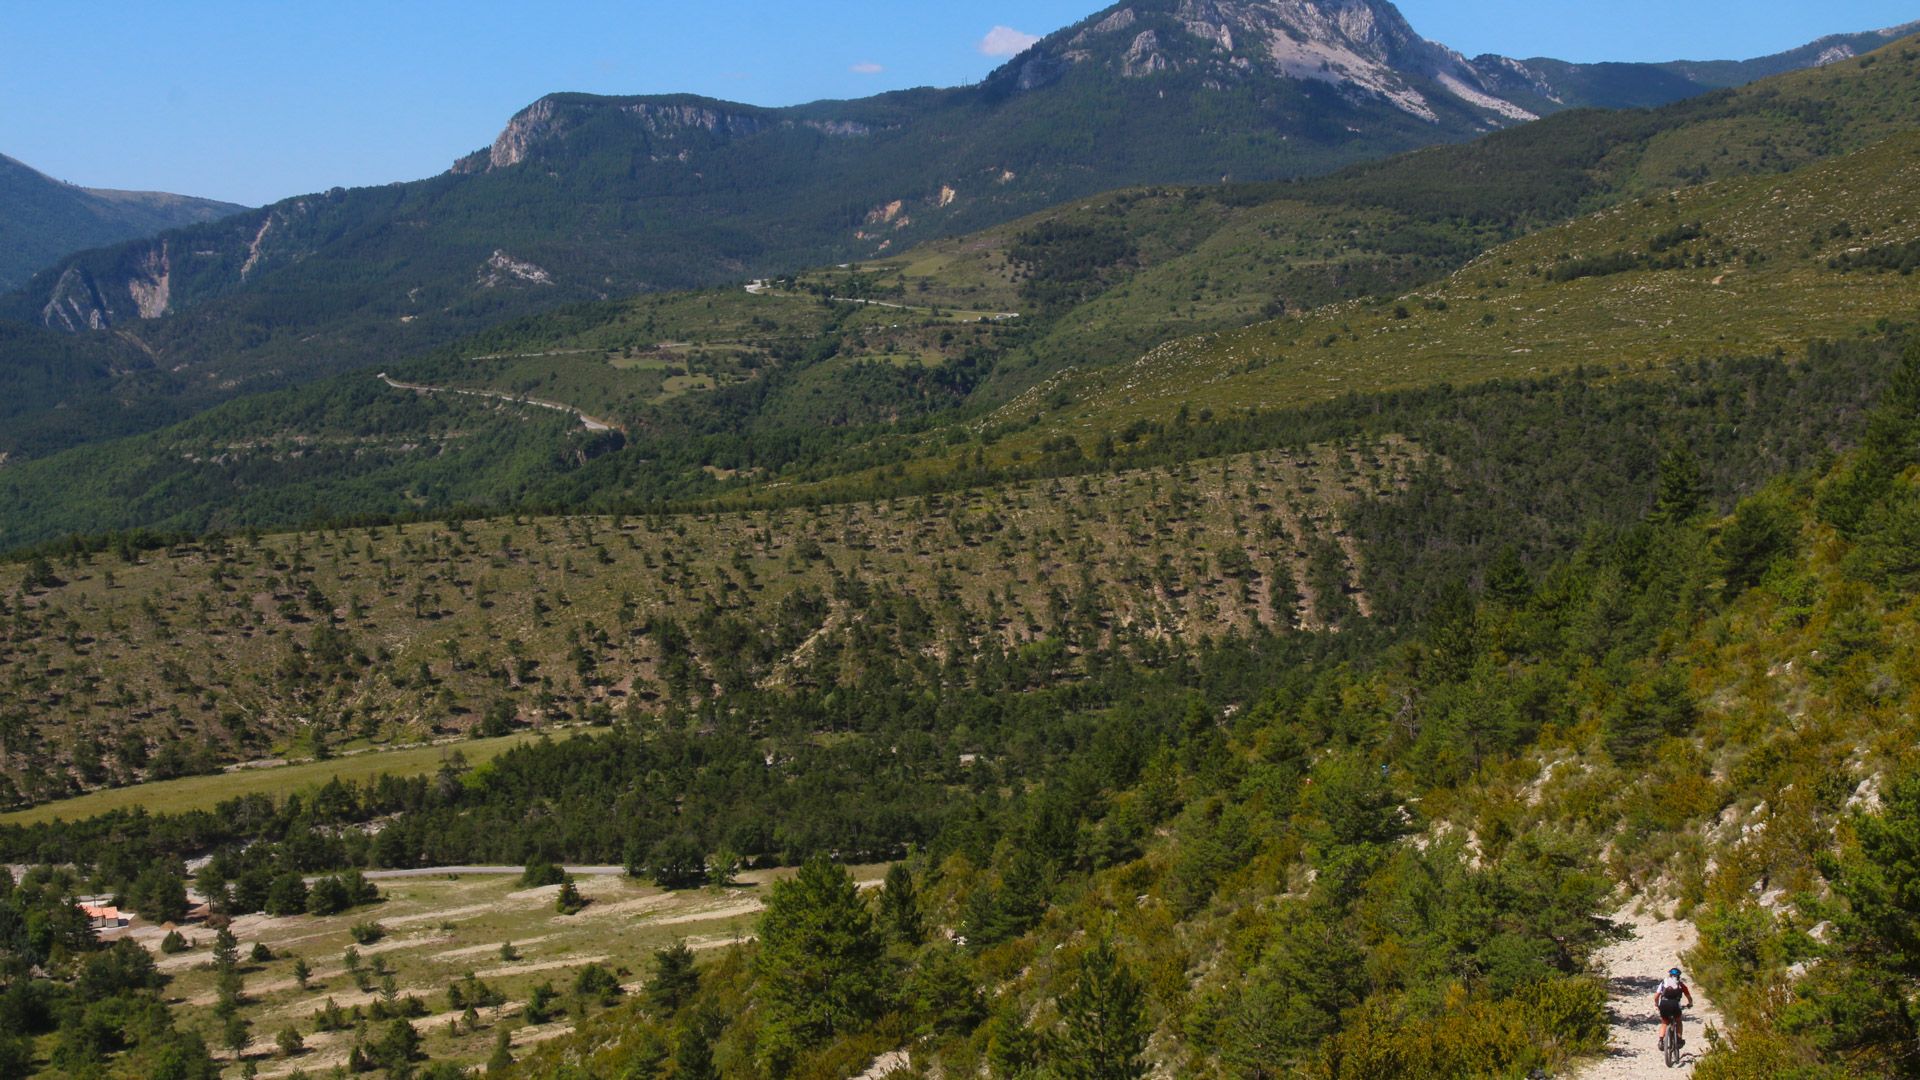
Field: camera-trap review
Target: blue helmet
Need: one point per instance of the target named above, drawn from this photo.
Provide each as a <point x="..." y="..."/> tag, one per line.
<point x="1675" y="972"/>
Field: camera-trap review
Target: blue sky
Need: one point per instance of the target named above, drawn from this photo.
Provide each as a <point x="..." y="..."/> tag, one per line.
<point x="259" y="100"/>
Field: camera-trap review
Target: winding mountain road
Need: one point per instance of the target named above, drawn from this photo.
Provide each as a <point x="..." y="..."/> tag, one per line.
<point x="592" y="423"/>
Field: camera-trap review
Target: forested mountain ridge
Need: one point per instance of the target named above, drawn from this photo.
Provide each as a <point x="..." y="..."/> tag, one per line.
<point x="786" y="393"/>
<point x="1545" y="84"/>
<point x="667" y="192"/>
<point x="43" y="220"/>
<point x="1818" y="53"/>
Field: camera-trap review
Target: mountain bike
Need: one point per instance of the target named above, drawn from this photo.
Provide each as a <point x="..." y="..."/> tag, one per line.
<point x="1671" y="1042"/>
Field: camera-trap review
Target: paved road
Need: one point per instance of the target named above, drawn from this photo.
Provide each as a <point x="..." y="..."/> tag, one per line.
<point x="591" y="423"/>
<point x="443" y="871"/>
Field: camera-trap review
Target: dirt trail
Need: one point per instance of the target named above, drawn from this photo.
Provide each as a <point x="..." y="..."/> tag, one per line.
<point x="1634" y="968"/>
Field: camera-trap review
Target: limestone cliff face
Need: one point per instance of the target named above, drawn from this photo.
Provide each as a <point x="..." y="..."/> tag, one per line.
<point x="549" y="121"/>
<point x="535" y="123"/>
<point x="151" y="285"/>
<point x="1364" y="47"/>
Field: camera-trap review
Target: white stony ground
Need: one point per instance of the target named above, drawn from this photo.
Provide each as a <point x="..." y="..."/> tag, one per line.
<point x="1634" y="967"/>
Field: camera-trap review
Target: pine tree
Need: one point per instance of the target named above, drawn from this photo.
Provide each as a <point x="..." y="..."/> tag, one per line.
<point x="502" y="1057"/>
<point x="1507" y="579"/>
<point x="1103" y="1019"/>
<point x="398" y="1048"/>
<point x="235" y="1036"/>
<point x="1680" y="493"/>
<point x="819" y="956"/>
<point x="900" y="906"/>
<point x="1453" y="632"/>
<point x="693" y="1057"/>
<point x="226" y="950"/>
<point x="674" y="979"/>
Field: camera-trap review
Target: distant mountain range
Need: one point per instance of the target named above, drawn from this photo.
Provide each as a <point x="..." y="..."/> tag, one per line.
<point x="43" y="219"/>
<point x="1545" y="85"/>
<point x="583" y="197"/>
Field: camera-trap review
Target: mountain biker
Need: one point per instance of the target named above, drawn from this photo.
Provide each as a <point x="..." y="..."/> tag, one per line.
<point x="1667" y="1000"/>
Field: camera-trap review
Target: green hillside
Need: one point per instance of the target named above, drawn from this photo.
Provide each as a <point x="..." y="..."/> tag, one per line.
<point x="1741" y="267"/>
<point x="43" y="220"/>
<point x="1306" y="849"/>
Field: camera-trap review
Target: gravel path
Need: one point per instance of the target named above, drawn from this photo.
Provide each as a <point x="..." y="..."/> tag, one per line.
<point x="1634" y="968"/>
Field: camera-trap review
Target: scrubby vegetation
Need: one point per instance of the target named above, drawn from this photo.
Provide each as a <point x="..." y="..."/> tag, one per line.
<point x="1249" y="830"/>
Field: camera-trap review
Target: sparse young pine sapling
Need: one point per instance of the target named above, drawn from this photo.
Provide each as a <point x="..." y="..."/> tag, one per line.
<point x="502" y="1057"/>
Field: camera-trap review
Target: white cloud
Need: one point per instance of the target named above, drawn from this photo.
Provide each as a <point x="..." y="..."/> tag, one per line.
<point x="867" y="69"/>
<point x="1005" y="41"/>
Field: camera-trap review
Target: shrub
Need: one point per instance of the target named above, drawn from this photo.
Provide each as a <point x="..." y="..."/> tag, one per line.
<point x="328" y="897"/>
<point x="329" y="1017"/>
<point x="287" y="895"/>
<point x="1752" y="1056"/>
<point x="539" y="873"/>
<point x="366" y="933"/>
<point x="174" y="943"/>
<point x="677" y="863"/>
<point x="338" y="892"/>
<point x="596" y="985"/>
<point x="540" y="1003"/>
<point x="1538" y="1028"/>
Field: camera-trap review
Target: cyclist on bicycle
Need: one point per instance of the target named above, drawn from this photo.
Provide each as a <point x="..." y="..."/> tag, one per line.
<point x="1667" y="999"/>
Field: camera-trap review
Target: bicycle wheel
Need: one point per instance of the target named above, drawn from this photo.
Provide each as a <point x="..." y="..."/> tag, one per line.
<point x="1673" y="1045"/>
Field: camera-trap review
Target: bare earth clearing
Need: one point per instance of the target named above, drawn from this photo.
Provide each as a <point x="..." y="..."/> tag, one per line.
<point x="441" y="925"/>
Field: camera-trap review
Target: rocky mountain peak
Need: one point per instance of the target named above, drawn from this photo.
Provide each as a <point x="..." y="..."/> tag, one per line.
<point x="1366" y="48"/>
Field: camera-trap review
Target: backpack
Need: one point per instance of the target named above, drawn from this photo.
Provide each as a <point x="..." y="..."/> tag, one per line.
<point x="1670" y="989"/>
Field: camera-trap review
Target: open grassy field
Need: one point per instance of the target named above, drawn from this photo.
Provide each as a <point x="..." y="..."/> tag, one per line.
<point x="278" y="779"/>
<point x="436" y="931"/>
